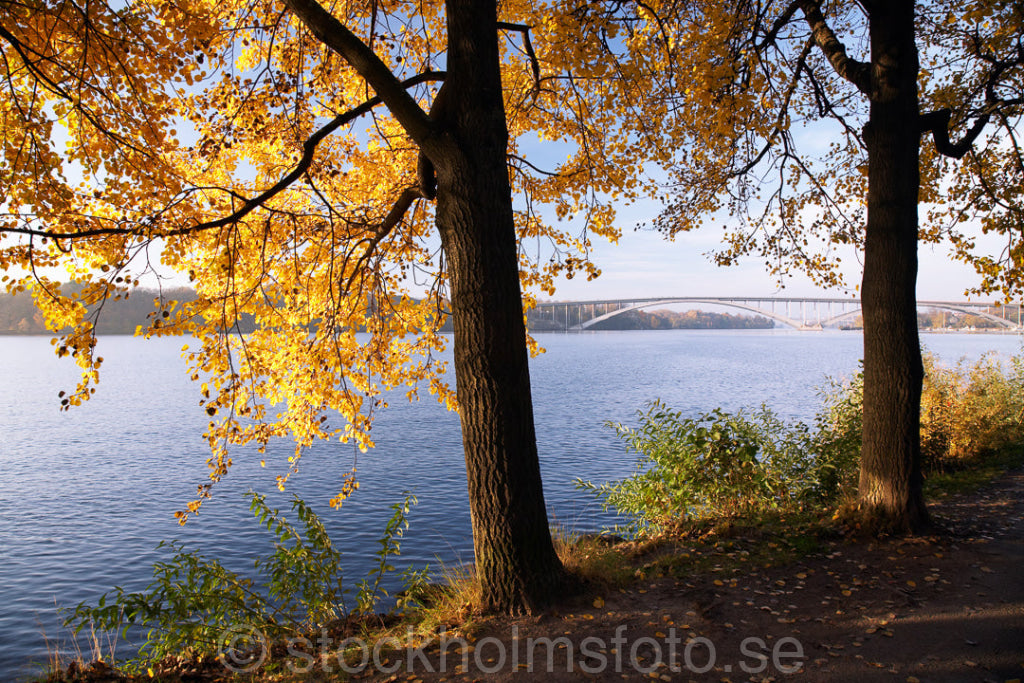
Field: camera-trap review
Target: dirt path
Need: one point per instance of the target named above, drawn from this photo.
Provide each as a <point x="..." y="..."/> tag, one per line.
<point x="949" y="608"/>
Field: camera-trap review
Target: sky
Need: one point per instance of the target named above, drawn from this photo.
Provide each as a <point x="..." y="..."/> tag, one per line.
<point x="644" y="265"/>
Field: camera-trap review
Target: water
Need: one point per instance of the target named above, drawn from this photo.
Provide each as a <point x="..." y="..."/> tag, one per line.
<point x="86" y="495"/>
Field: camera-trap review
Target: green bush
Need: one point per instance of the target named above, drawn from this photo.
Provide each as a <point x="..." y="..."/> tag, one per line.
<point x="837" y="438"/>
<point x="723" y="464"/>
<point x="195" y="605"/>
<point x="718" y="464"/>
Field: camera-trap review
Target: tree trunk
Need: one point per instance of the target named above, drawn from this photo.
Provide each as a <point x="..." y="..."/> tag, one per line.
<point x="516" y="563"/>
<point x="890" y="473"/>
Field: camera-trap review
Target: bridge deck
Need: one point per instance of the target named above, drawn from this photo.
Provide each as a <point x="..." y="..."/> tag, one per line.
<point x="802" y="313"/>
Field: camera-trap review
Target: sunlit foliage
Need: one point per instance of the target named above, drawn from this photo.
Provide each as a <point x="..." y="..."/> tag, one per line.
<point x="225" y="143"/>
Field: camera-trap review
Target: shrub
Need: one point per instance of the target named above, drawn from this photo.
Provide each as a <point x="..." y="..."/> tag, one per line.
<point x="195" y="605"/>
<point x="837" y="438"/>
<point x="723" y="464"/>
<point x="718" y="464"/>
<point x="970" y="410"/>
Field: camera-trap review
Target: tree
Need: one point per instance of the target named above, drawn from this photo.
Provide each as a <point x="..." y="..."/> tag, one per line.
<point x="281" y="210"/>
<point x="750" y="90"/>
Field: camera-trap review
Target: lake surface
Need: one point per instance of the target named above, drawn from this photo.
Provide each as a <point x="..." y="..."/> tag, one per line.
<point x="87" y="495"/>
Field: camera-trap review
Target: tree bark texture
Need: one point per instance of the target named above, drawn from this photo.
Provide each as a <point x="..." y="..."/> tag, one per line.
<point x="890" y="475"/>
<point x="515" y="559"/>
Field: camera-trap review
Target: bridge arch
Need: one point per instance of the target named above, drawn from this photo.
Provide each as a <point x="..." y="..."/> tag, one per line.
<point x="690" y="300"/>
<point x="941" y="305"/>
<point x="763" y="306"/>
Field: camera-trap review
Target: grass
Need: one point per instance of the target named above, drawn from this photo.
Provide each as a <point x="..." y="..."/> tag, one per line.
<point x="766" y="538"/>
<point x="596" y="560"/>
<point x="710" y="544"/>
<point x="969" y="477"/>
<point x="66" y="660"/>
<point x="450" y="601"/>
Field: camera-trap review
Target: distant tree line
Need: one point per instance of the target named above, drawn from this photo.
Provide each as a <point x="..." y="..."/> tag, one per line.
<point x="690" y="320"/>
<point x="18" y="315"/>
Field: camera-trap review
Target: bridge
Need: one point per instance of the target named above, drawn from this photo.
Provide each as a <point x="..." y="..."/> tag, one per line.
<point x="801" y="313"/>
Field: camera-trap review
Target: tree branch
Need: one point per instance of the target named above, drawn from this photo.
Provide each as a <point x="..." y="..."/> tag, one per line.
<point x="55" y="88"/>
<point x="308" y="152"/>
<point x="550" y="174"/>
<point x="801" y="67"/>
<point x="777" y="26"/>
<point x="852" y="70"/>
<point x="394" y="217"/>
<point x="389" y="89"/>
<point x="528" y="46"/>
<point x="937" y="123"/>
